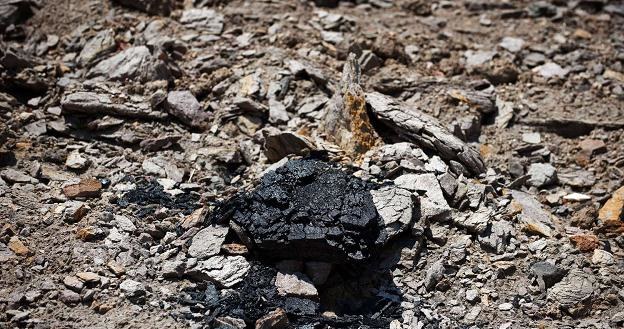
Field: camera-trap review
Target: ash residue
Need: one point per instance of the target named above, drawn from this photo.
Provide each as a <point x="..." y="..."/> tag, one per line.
<point x="150" y="196"/>
<point x="308" y="209"/>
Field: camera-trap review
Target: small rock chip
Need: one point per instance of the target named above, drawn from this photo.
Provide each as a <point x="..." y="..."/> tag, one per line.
<point x="88" y="277"/>
<point x="224" y="270"/>
<point x="18" y="247"/>
<point x="296" y="284"/>
<point x="116" y="268"/>
<point x="207" y="242"/>
<point x="585" y="242"/>
<point x="85" y="188"/>
<point x="505" y="306"/>
<point x="132" y="288"/>
<point x="279" y="144"/>
<point x="602" y="257"/>
<point x="274" y="320"/>
<point x="184" y="106"/>
<point x="69" y="297"/>
<point x="613" y="211"/>
<point x="550" y="70"/>
<point x="542" y="174"/>
<point x="73" y="283"/>
<point x="75" y="160"/>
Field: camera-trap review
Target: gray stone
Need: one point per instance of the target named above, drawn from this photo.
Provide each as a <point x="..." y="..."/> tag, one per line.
<point x="132" y="288"/>
<point x="227" y="271"/>
<point x="279" y="144"/>
<point x="228" y="322"/>
<point x="206" y="20"/>
<point x="184" y="106"/>
<point x="512" y="44"/>
<point x="423" y="130"/>
<point x="550" y="70"/>
<point x="433" y="205"/>
<point x="14" y="176"/>
<point x="173" y="268"/>
<point x="542" y="174"/>
<point x="296" y="284"/>
<point x="73" y="283"/>
<point x="532" y="215"/>
<point x="207" y="242"/>
<point x="476" y="58"/>
<point x="574" y="293"/>
<point x="130" y="64"/>
<point x="472" y="295"/>
<point x="75" y="160"/>
<point x="546" y="274"/>
<point x="124" y="223"/>
<point x="395" y="206"/>
<point x="101" y="44"/>
<point x="277" y="112"/>
<point x="98" y="104"/>
<point x="475" y="222"/>
<point x="69" y="297"/>
<point x="531" y="138"/>
<point x="498" y="236"/>
<point x="434" y="274"/>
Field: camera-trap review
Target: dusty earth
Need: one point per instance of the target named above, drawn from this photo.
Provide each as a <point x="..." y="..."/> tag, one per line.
<point x="127" y="133"/>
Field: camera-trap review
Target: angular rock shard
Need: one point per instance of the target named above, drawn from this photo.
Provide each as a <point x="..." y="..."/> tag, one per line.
<point x="130" y="64"/>
<point x="346" y="121"/>
<point x="106" y="104"/>
<point x="417" y="127"/>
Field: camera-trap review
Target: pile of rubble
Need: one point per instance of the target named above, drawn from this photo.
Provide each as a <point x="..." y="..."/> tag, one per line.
<point x="205" y="164"/>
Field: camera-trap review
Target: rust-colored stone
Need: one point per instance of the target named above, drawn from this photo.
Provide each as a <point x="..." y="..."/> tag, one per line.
<point x="346" y="121"/>
<point x="585" y="242"/>
<point x="612" y="214"/>
<point x="86" y="188"/>
<point x="274" y="320"/>
<point x="234" y="249"/>
<point x="18" y="247"/>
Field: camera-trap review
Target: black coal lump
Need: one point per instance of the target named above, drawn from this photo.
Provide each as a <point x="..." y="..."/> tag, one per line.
<point x="307" y="209"/>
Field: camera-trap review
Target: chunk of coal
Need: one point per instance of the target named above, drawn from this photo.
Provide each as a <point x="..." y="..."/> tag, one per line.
<point x="151" y="195"/>
<point x="308" y="209"/>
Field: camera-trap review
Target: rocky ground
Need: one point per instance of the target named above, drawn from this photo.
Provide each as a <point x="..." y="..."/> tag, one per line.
<point x="311" y="164"/>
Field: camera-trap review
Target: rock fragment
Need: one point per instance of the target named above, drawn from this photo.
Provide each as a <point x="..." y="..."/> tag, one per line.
<point x="85" y="188"/>
<point x="532" y="215"/>
<point x="279" y="144"/>
<point x="394" y="205"/>
<point x="227" y="271"/>
<point x="101" y="44"/>
<point x="346" y="120"/>
<point x="208" y="20"/>
<point x="274" y="320"/>
<point x="130" y="64"/>
<point x="207" y="242"/>
<point x="574" y="294"/>
<point x="96" y="104"/>
<point x="423" y="130"/>
<point x="295" y="285"/>
<point x="542" y="174"/>
<point x="550" y="70"/>
<point x="184" y="106"/>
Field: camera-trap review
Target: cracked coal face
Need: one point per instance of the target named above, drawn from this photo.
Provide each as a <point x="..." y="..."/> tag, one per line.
<point x="150" y="195"/>
<point x="307" y="209"/>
